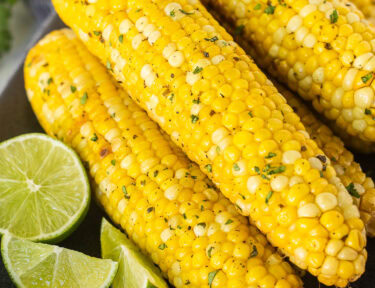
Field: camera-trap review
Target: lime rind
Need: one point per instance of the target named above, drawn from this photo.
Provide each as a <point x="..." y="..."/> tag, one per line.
<point x="45" y="266"/>
<point x="135" y="269"/>
<point x="73" y="220"/>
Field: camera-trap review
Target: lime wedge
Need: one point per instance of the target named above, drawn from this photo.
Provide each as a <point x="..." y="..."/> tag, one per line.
<point x="41" y="265"/>
<point x="44" y="190"/>
<point x="135" y="269"/>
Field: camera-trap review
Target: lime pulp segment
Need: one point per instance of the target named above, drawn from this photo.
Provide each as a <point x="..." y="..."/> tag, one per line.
<point x="135" y="269"/>
<point x="44" y="190"/>
<point x="36" y="265"/>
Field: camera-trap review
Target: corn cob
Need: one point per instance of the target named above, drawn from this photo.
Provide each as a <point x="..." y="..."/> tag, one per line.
<point x="183" y="68"/>
<point x="164" y="202"/>
<point x="350" y="172"/>
<point x="324" y="50"/>
<point x="367" y="7"/>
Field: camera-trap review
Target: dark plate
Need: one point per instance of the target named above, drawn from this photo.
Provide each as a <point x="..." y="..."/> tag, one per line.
<point x="16" y="117"/>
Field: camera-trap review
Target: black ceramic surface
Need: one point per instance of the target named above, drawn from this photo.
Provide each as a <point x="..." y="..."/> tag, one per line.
<point x="16" y="117"/>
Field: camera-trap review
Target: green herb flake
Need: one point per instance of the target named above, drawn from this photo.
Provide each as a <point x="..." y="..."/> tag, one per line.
<point x="97" y="33"/>
<point x="250" y="114"/>
<point x="184" y="215"/>
<point x="196" y="101"/>
<point x="366" y="77"/>
<point x="333" y="159"/>
<point x="239" y="30"/>
<point x="121" y="38"/>
<point x="276" y="170"/>
<point x="172" y="13"/>
<point x="270" y="155"/>
<point x="352" y="191"/>
<point x="367" y="111"/>
<point x="258" y="6"/>
<point x="197" y="70"/>
<point x="208" y="167"/>
<point x="94" y="138"/>
<point x="256" y="168"/>
<point x="254" y="253"/>
<point x="270" y="9"/>
<point x="113" y="162"/>
<point x="209" y="251"/>
<point x="194" y="119"/>
<point x="156" y="173"/>
<point x="125" y="192"/>
<point x="84" y="98"/>
<point x="321" y="174"/>
<point x="236" y="167"/>
<point x="211" y="277"/>
<point x="269" y="195"/>
<point x="186" y="13"/>
<point x="109" y="66"/>
<point x="334" y="16"/>
<point x="50" y="80"/>
<point x="229" y="221"/>
<point x="162" y="246"/>
<point x="150" y="209"/>
<point x="73" y="89"/>
<point x="213" y="39"/>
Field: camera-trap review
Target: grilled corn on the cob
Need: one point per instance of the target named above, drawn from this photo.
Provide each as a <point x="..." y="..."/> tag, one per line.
<point x="350" y="172"/>
<point x="185" y="70"/>
<point x="165" y="203"/>
<point x="324" y="50"/>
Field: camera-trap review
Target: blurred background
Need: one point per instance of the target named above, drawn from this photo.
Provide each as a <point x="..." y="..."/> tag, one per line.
<point x="19" y="23"/>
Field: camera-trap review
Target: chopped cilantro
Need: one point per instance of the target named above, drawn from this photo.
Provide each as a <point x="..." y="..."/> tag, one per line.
<point x="209" y="251"/>
<point x="367" y="111"/>
<point x="366" y="77"/>
<point x="162" y="246"/>
<point x="236" y="167"/>
<point x="213" y="39"/>
<point x="270" y="155"/>
<point x="84" y="98"/>
<point x="197" y="70"/>
<point x="269" y="195"/>
<point x="270" y="9"/>
<point x="97" y="33"/>
<point x="121" y="38"/>
<point x="94" y="138"/>
<point x="208" y="167"/>
<point x="352" y="191"/>
<point x="258" y="6"/>
<point x="194" y="119"/>
<point x="73" y="89"/>
<point x="211" y="277"/>
<point x="334" y="16"/>
<point x="229" y="221"/>
<point x="254" y="253"/>
<point x="172" y="13"/>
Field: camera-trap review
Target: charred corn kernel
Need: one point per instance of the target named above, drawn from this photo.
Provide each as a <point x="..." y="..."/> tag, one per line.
<point x="324" y="49"/>
<point x="170" y="103"/>
<point x="169" y="207"/>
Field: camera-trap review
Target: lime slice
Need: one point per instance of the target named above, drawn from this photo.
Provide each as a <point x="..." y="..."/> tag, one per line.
<point x="44" y="190"/>
<point x="135" y="269"/>
<point x="41" y="265"/>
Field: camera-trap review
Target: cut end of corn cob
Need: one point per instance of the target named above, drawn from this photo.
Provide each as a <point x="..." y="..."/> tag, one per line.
<point x="228" y="117"/>
<point x="324" y="50"/>
<point x="145" y="183"/>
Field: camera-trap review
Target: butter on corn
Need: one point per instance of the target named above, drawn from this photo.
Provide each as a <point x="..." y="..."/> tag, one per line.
<point x="145" y="183"/>
<point x="231" y="120"/>
<point x="324" y="50"/>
